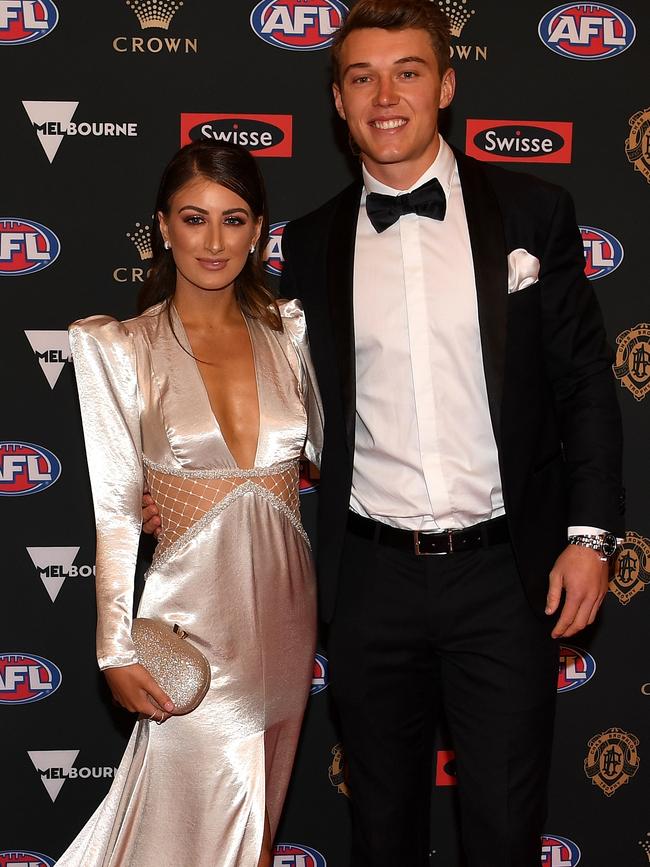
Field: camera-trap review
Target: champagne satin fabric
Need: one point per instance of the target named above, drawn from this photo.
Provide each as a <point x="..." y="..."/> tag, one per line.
<point x="236" y="575"/>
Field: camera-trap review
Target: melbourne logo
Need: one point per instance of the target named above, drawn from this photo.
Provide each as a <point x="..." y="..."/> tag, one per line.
<point x="54" y="565"/>
<point x="295" y="855"/>
<point x="13" y="858"/>
<point x="612" y="759"/>
<point x="603" y="252"/>
<point x="586" y="31"/>
<point x="25" y="678"/>
<point x="446" y="768"/>
<point x="298" y="25"/>
<point x="26" y="469"/>
<point x="577" y="667"/>
<point x="155" y="15"/>
<point x="52" y="122"/>
<point x="559" y="852"/>
<point x="52" y="349"/>
<point x="264" y="135"/>
<point x="337" y="771"/>
<point x="24" y="21"/>
<point x="632" y="363"/>
<point x="272" y="255"/>
<point x="56" y="766"/>
<point x="459" y="14"/>
<point x="141" y="237"/>
<point x="509" y="141"/>
<point x="25" y="246"/>
<point x="320" y="678"/>
<point x="637" y="144"/>
<point x="631" y="574"/>
<point x="309" y="478"/>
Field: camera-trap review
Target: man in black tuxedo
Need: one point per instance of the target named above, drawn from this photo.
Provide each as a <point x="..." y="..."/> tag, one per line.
<point x="470" y="423"/>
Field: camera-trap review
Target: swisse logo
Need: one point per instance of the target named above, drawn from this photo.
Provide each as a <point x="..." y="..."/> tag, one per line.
<point x="25" y="247"/>
<point x="587" y="31"/>
<point x="26" y="469"/>
<point x="264" y="135"/>
<point x="26" y="678"/>
<point x="272" y="256"/>
<point x="295" y="855"/>
<point x="24" y="21"/>
<point x="52" y="122"/>
<point x="298" y="25"/>
<point x="559" y="852"/>
<point x="52" y="350"/>
<point x="320" y="678"/>
<point x="603" y="252"/>
<point x="446" y="768"/>
<point x="157" y="15"/>
<point x="56" y="766"/>
<point x="507" y="141"/>
<point x="54" y="565"/>
<point x="577" y="667"/>
<point x="13" y="858"/>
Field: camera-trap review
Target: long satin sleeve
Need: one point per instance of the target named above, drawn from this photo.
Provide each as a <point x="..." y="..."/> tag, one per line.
<point x="106" y="372"/>
<point x="294" y="322"/>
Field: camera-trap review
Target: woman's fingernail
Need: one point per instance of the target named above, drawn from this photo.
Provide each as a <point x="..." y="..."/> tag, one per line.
<point x="169" y="706"/>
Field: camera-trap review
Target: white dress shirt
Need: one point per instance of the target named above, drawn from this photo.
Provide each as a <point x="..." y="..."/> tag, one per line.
<point x="425" y="454"/>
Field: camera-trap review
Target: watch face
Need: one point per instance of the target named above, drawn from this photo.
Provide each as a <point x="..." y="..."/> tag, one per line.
<point x="609" y="545"/>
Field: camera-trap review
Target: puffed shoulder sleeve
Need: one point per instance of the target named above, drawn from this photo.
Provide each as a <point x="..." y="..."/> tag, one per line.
<point x="293" y="319"/>
<point x="106" y="372"/>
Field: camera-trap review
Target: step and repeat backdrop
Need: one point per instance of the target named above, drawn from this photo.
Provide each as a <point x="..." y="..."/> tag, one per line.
<point x="96" y="97"/>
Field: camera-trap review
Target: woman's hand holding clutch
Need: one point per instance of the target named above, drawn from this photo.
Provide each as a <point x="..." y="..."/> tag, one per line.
<point x="133" y="688"/>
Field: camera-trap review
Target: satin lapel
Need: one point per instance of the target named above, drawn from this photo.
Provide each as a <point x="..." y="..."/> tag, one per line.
<point x="340" y="275"/>
<point x="487" y="239"/>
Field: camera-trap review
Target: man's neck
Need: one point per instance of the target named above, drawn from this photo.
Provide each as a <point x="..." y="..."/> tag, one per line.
<point x="402" y="175"/>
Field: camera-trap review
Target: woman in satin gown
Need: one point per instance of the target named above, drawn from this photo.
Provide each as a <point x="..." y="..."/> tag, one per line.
<point x="208" y="399"/>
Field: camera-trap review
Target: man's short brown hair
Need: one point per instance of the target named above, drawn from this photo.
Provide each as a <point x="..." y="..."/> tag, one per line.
<point x="396" y="15"/>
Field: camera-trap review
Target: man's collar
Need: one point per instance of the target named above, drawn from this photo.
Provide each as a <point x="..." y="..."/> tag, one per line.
<point x="442" y="167"/>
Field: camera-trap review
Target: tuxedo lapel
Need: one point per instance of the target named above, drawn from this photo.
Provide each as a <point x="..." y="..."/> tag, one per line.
<point x="340" y="274"/>
<point x="485" y="224"/>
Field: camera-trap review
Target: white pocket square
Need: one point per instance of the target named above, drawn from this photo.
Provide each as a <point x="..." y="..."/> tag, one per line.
<point x="523" y="270"/>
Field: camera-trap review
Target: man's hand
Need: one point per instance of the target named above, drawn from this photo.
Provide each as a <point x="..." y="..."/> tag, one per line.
<point x="584" y="577"/>
<point x="136" y="690"/>
<point x="150" y="516"/>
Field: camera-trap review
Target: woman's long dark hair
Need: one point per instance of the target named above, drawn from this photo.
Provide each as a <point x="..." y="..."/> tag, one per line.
<point x="234" y="168"/>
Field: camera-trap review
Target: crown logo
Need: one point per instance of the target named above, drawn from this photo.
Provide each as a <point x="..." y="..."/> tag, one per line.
<point x="141" y="240"/>
<point x="645" y="845"/>
<point x="154" y="13"/>
<point x="457" y="13"/>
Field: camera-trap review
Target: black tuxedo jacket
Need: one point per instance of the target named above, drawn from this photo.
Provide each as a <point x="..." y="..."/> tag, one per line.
<point x="547" y="366"/>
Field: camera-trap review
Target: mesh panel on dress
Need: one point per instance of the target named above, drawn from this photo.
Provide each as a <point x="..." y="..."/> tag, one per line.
<point x="182" y="500"/>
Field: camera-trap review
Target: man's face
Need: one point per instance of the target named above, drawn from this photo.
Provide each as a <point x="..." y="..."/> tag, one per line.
<point x="390" y="94"/>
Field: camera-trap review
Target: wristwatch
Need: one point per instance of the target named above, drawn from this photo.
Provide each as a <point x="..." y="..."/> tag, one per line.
<point x="604" y="544"/>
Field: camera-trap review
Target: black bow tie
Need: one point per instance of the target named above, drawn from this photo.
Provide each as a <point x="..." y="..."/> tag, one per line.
<point x="426" y="201"/>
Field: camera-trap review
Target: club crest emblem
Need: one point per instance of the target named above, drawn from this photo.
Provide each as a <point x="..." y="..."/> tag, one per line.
<point x="631" y="574"/>
<point x="612" y="759"/>
<point x="632" y="364"/>
<point x="338" y="771"/>
<point x="637" y="144"/>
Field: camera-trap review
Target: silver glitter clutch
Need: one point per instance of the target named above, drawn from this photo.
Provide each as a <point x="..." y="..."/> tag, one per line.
<point x="176" y="665"/>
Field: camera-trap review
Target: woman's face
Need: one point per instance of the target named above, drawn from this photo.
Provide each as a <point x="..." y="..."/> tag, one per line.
<point x="211" y="230"/>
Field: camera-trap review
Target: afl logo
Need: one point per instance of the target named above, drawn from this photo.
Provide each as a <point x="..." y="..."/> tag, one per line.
<point x="25" y="247"/>
<point x="559" y="852"/>
<point x="603" y="252"/>
<point x="26" y="21"/>
<point x="26" y="469"/>
<point x="272" y="257"/>
<point x="298" y="25"/>
<point x="577" y="667"/>
<point x="309" y="477"/>
<point x="25" y="678"/>
<point x="320" y="679"/>
<point x="292" y="855"/>
<point x="586" y="31"/>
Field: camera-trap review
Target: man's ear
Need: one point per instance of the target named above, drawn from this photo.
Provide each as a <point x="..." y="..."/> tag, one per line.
<point x="447" y="88"/>
<point x="338" y="101"/>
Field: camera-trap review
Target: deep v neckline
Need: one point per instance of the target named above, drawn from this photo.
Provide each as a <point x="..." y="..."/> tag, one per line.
<point x="206" y="394"/>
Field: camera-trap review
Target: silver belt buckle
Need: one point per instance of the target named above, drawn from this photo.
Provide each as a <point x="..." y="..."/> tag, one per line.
<point x="416" y="544"/>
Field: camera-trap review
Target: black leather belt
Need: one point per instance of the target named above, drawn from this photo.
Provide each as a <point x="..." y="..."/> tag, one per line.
<point x="482" y="535"/>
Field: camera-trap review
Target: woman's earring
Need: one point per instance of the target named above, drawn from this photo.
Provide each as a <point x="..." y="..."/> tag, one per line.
<point x="252" y="249"/>
<point x="168" y="246"/>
